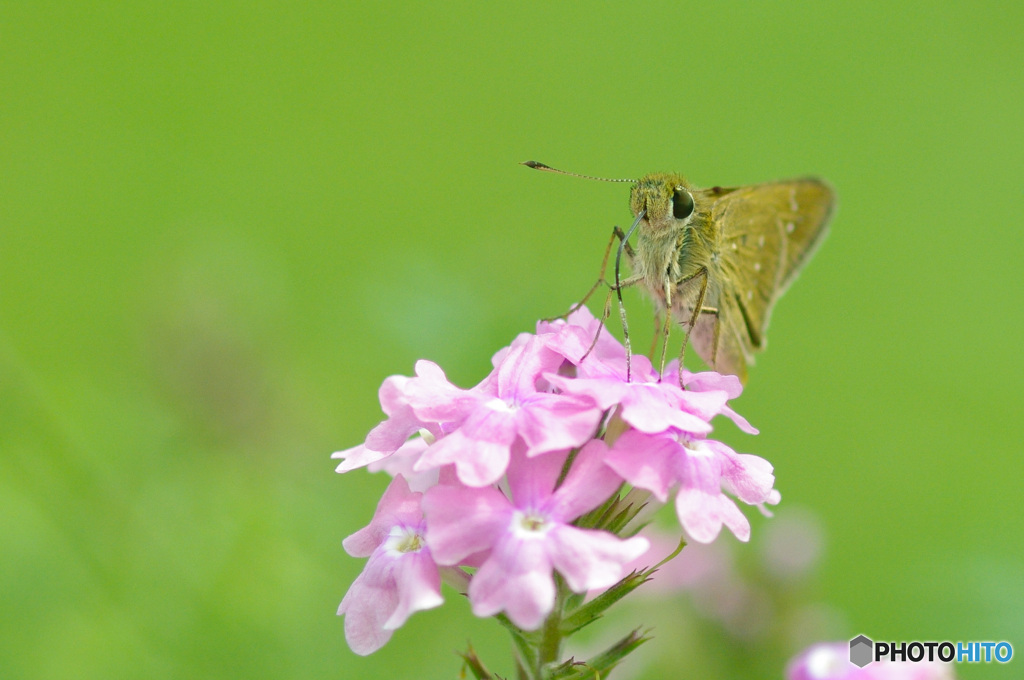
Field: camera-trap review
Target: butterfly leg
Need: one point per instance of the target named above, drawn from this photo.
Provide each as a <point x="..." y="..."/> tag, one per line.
<point x="662" y="329"/>
<point x="715" y="335"/>
<point x="633" y="280"/>
<point x="615" y="288"/>
<point x="666" y="325"/>
<point x="658" y="330"/>
<point x="698" y="308"/>
<point x="617" y="233"/>
<point x="607" y="312"/>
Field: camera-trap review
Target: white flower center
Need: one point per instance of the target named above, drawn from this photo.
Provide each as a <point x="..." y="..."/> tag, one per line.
<point x="403" y="540"/>
<point x="497" y="404"/>
<point x="530" y="524"/>
<point x="695" y="446"/>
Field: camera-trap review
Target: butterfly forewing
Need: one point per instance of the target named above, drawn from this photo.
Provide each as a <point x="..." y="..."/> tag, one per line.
<point x="768" y="232"/>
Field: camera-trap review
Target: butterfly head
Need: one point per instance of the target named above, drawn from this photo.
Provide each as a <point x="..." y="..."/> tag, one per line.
<point x="666" y="199"/>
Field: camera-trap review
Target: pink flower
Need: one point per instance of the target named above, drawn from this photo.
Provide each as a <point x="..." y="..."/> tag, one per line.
<point x="402" y="422"/>
<point x="490" y="424"/>
<point x="399" y="578"/>
<point x="700" y="468"/>
<point x="402" y="461"/>
<point x="831" y="661"/>
<point x="648" y="400"/>
<point x="573" y="336"/>
<point x="711" y="381"/>
<point x="529" y="534"/>
<point x="645" y="402"/>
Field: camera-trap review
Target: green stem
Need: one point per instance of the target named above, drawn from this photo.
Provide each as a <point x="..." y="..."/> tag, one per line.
<point x="550" y="647"/>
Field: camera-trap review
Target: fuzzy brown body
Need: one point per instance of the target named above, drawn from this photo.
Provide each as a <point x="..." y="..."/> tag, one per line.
<point x="734" y="254"/>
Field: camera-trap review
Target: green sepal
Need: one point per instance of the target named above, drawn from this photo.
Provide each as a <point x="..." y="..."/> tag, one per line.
<point x="521" y="672"/>
<point x="594" y="519"/>
<point x="475" y="665"/>
<point x="601" y="665"/>
<point x="623" y="517"/>
<point x="594" y="609"/>
<point x="613" y="515"/>
<point x="527" y="644"/>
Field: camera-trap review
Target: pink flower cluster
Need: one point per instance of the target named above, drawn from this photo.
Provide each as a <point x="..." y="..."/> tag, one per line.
<point x="490" y="480"/>
<point x="831" y="661"/>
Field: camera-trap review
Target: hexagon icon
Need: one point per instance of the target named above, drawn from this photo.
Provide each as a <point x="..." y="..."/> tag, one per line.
<point x="860" y="651"/>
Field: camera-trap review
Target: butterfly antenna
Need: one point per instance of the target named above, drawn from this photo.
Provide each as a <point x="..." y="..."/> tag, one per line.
<point x="547" y="168"/>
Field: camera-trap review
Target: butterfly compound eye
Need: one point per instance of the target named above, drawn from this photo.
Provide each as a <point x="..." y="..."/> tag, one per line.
<point x="682" y="203"/>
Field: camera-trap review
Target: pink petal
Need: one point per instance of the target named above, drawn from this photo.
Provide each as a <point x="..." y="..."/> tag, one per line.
<point x="711" y="381"/>
<point x="357" y="457"/>
<point x="518" y="372"/>
<point x="604" y="392"/>
<point x="517" y="580"/>
<point x="401" y="422"/>
<point x="434" y="399"/>
<point x="419" y="587"/>
<point x="582" y="324"/>
<point x="398" y="506"/>
<point x="462" y="521"/>
<point x="656" y="408"/>
<point x="479" y="449"/>
<point x="401" y="463"/>
<point x="589" y="483"/>
<point x="574" y="343"/>
<point x="531" y="481"/>
<point x="705" y="405"/>
<point x="702" y="514"/>
<point x="390" y="588"/>
<point x="592" y="559"/>
<point x="554" y="422"/>
<point x="608" y="349"/>
<point x="368" y="603"/>
<point x="499" y="357"/>
<point x="740" y="421"/>
<point x="749" y="477"/>
<point x="700" y="467"/>
<point x="646" y="461"/>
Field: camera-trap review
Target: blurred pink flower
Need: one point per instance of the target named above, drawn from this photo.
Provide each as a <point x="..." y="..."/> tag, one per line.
<point x="831" y="661"/>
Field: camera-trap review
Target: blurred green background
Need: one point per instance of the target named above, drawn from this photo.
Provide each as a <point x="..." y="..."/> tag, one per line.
<point x="223" y="224"/>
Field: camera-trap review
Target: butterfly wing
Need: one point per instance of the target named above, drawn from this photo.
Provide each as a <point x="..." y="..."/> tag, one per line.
<point x="765" y="234"/>
<point x="731" y="351"/>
